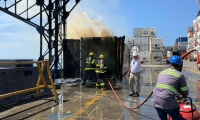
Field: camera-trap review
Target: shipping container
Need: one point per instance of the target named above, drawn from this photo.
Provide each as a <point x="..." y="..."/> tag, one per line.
<point x="182" y="48"/>
<point x="182" y="43"/>
<point x="145" y="56"/>
<point x="152" y="32"/>
<point x="181" y="39"/>
<point x="144" y="47"/>
<point x="113" y="49"/>
<point x="156" y="44"/>
<point x="137" y="32"/>
<point x="144" y="32"/>
<point x="157" y="58"/>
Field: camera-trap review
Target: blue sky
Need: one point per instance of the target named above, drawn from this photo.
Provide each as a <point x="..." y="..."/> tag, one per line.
<point x="170" y="17"/>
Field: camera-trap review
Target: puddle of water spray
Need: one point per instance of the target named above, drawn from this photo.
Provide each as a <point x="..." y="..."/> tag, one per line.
<point x="57" y="116"/>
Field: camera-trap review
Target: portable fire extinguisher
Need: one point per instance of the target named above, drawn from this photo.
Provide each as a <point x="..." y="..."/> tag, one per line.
<point x="188" y="110"/>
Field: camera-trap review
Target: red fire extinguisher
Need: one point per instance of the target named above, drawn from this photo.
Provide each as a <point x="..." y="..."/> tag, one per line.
<point x="188" y="111"/>
<point x="198" y="61"/>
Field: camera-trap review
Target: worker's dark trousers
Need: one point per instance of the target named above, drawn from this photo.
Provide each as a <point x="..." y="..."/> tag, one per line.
<point x="174" y="113"/>
<point x="90" y="73"/>
<point x="99" y="78"/>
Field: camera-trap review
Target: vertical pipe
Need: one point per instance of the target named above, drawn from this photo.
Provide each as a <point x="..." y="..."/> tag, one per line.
<point x="27" y="8"/>
<point x="50" y="32"/>
<point x="64" y="27"/>
<point x="56" y="36"/>
<point x="41" y="30"/>
<point x="15" y="7"/>
<point x="64" y="22"/>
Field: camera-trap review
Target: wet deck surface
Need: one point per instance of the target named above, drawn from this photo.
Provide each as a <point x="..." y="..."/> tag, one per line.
<point x="83" y="103"/>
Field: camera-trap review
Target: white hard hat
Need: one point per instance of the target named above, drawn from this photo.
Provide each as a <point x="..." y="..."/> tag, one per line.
<point x="135" y="54"/>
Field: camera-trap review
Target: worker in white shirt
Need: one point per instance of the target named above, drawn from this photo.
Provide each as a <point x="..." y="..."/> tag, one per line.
<point x="134" y="75"/>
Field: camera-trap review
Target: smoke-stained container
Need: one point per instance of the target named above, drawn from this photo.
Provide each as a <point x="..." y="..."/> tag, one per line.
<point x="157" y="58"/>
<point x="111" y="47"/>
<point x="156" y="44"/>
<point x="71" y="56"/>
<point x="145" y="56"/>
<point x="113" y="54"/>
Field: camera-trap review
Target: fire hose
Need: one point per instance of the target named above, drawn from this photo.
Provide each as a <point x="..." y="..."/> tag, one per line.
<point x="148" y="95"/>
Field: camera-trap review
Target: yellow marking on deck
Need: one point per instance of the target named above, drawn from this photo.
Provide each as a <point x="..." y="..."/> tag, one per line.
<point x="192" y="71"/>
<point x="88" y="104"/>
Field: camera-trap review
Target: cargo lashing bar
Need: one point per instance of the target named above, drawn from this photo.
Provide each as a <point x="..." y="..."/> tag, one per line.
<point x="45" y="64"/>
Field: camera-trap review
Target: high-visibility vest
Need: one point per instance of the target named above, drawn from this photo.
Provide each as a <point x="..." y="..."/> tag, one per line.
<point x="90" y="63"/>
<point x="169" y="87"/>
<point x="98" y="67"/>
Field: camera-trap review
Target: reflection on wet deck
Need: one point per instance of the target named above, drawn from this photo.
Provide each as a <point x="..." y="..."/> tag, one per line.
<point x="83" y="103"/>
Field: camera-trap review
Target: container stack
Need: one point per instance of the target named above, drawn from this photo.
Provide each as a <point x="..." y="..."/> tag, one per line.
<point x="130" y="41"/>
<point x="181" y="44"/>
<point x="142" y="38"/>
<point x="156" y="49"/>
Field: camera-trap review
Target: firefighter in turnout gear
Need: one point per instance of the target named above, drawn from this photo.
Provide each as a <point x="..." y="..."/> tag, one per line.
<point x="89" y="68"/>
<point x="100" y="71"/>
<point x="170" y="82"/>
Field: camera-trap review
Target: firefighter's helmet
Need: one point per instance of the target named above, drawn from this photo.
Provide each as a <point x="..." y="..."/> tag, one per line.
<point x="91" y="53"/>
<point x="101" y="56"/>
